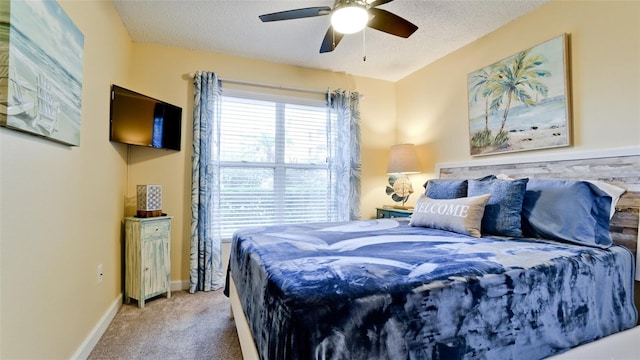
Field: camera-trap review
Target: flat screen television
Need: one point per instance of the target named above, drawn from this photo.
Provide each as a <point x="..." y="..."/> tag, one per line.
<point x="138" y="119"/>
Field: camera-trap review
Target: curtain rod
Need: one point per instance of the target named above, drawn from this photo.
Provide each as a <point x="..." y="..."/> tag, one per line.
<point x="268" y="86"/>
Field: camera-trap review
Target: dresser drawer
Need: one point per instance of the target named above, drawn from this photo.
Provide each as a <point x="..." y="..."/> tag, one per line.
<point x="155" y="230"/>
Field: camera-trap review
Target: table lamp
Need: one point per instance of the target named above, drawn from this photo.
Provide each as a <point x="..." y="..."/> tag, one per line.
<point x="402" y="161"/>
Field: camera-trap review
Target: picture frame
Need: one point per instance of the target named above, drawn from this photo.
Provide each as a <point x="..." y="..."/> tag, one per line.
<point x="41" y="70"/>
<point x="521" y="102"/>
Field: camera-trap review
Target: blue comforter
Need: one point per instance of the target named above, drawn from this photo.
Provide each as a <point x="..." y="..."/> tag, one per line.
<point x="381" y="289"/>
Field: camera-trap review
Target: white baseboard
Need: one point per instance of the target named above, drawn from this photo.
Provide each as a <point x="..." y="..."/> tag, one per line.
<point x="96" y="333"/>
<point x="180" y="285"/>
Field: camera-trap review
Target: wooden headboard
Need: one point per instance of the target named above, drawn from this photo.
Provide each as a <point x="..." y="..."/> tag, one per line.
<point x="616" y="166"/>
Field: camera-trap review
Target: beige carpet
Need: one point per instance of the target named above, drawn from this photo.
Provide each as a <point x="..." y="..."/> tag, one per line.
<point x="186" y="326"/>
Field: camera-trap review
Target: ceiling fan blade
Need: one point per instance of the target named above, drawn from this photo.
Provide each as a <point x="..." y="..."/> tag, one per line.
<point x="390" y="23"/>
<point x="331" y="40"/>
<point x="379" y="2"/>
<point x="296" y="13"/>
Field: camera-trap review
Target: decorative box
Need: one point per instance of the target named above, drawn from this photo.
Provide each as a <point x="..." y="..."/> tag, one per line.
<point x="149" y="200"/>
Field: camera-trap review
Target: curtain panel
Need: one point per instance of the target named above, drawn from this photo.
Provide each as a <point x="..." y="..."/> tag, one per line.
<point x="206" y="242"/>
<point x="346" y="161"/>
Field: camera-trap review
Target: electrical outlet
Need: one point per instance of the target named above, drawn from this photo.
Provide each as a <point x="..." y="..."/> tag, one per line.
<point x="100" y="274"/>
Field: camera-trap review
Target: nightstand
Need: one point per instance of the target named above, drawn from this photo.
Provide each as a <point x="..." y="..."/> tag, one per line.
<point x="147" y="258"/>
<point x="388" y="213"/>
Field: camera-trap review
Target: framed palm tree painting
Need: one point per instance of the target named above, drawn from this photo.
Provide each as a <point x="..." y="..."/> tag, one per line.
<point x="522" y="102"/>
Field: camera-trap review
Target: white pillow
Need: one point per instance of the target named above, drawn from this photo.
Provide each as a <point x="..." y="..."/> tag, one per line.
<point x="612" y="190"/>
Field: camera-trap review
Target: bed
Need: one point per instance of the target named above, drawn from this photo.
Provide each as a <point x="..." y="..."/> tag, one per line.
<point x="487" y="286"/>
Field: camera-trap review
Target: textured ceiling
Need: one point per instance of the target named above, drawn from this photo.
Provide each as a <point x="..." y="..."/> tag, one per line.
<point x="232" y="27"/>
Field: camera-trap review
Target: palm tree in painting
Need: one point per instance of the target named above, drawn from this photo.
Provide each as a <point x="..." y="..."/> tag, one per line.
<point x="480" y="81"/>
<point x="515" y="77"/>
<point x="479" y="87"/>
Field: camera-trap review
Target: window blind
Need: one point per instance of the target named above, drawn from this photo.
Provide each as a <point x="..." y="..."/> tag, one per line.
<point x="274" y="164"/>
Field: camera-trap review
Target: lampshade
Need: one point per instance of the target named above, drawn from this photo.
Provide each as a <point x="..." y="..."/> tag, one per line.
<point x="349" y="17"/>
<point x="403" y="159"/>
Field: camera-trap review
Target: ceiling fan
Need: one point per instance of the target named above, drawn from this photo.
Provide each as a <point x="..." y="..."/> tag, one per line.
<point x="348" y="17"/>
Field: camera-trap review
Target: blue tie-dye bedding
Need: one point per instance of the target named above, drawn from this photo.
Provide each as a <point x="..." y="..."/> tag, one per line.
<point x="382" y="289"/>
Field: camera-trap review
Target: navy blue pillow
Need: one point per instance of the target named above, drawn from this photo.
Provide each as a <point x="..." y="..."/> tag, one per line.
<point x="446" y="188"/>
<point x="503" y="212"/>
<point x="569" y="210"/>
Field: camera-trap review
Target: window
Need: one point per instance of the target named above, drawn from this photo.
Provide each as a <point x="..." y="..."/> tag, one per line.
<point x="275" y="163"/>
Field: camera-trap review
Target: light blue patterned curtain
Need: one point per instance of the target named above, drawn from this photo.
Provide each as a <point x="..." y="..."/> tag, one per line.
<point x="347" y="161"/>
<point x="206" y="248"/>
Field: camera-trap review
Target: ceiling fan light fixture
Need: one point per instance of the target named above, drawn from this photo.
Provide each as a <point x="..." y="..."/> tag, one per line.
<point x="349" y="18"/>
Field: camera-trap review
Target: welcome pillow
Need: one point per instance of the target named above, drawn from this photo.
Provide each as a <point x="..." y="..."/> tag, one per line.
<point x="461" y="215"/>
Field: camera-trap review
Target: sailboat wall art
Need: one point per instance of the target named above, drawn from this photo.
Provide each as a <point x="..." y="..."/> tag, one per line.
<point x="41" y="68"/>
<point x="522" y="102"/>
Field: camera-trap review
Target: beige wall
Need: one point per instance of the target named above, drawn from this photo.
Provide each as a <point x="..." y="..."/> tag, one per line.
<point x="163" y="73"/>
<point x="605" y="61"/>
<point x="62" y="209"/>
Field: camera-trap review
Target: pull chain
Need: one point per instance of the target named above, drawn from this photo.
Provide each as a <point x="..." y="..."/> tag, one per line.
<point x="364" y="47"/>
